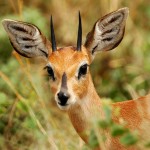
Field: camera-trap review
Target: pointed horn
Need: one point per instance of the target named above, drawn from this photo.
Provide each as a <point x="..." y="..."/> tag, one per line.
<point x="54" y="47"/>
<point x="79" y="39"/>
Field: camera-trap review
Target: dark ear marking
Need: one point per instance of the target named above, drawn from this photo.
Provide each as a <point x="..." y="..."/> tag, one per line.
<point x="27" y="39"/>
<point x="93" y="50"/>
<point x="113" y="19"/>
<point x="22" y="54"/>
<point x="119" y="40"/>
<point x="17" y="28"/>
<point x="46" y="55"/>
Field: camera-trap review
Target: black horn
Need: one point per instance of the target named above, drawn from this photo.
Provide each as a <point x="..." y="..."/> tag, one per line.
<point x="54" y="47"/>
<point x="79" y="38"/>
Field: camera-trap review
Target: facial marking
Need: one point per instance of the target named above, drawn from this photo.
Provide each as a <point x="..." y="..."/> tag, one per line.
<point x="64" y="82"/>
<point x="66" y="63"/>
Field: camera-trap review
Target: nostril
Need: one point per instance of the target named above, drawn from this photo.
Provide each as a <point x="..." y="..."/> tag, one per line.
<point x="63" y="97"/>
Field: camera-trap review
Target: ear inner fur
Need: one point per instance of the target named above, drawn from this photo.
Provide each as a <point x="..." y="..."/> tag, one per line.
<point x="26" y="39"/>
<point x="107" y="32"/>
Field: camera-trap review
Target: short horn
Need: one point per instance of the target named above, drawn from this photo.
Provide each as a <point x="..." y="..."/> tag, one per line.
<point x="54" y="47"/>
<point x="79" y="38"/>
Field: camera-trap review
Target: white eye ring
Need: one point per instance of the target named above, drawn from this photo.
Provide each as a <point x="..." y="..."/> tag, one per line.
<point x="81" y="64"/>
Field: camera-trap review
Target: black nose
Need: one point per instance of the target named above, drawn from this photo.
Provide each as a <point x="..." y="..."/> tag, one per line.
<point x="63" y="98"/>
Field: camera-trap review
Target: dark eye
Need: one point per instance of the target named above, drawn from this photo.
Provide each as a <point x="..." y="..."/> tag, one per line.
<point x="50" y="72"/>
<point x="82" y="70"/>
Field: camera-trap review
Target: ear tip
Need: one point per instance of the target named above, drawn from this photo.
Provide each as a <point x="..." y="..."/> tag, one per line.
<point x="125" y="9"/>
<point x="6" y="21"/>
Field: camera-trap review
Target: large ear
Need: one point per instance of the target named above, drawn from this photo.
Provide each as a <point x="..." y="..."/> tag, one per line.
<point x="107" y="32"/>
<point x="26" y="39"/>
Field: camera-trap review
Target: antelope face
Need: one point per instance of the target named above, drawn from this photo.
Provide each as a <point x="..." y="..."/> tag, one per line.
<point x="68" y="68"/>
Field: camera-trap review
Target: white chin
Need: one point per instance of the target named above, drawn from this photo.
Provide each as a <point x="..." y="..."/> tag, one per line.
<point x="63" y="107"/>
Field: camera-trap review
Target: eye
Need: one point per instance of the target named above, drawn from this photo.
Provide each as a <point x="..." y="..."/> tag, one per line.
<point x="50" y="72"/>
<point x="82" y="70"/>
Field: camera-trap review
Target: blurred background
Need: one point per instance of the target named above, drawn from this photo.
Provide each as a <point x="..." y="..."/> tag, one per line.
<point x="29" y="117"/>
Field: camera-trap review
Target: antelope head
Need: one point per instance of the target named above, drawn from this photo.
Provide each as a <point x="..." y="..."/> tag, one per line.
<point x="68" y="67"/>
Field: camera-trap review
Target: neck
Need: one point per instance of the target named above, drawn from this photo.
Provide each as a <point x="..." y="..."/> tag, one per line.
<point x="84" y="110"/>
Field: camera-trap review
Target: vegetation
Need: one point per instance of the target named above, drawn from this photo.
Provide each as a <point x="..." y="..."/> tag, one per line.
<point x="29" y="117"/>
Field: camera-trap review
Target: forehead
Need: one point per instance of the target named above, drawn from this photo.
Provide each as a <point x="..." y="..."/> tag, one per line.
<point x="68" y="56"/>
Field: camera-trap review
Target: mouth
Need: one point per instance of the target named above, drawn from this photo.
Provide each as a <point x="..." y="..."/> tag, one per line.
<point x="63" y="106"/>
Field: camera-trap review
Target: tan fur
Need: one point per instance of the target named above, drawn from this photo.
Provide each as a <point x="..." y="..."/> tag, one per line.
<point x="134" y="112"/>
<point x="60" y="60"/>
